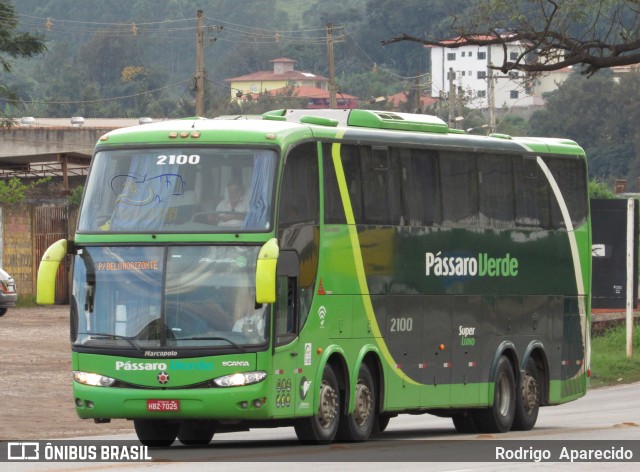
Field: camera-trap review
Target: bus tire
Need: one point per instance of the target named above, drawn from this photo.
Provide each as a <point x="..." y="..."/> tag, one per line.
<point x="196" y="433"/>
<point x="527" y="399"/>
<point x="156" y="433"/>
<point x="358" y="424"/>
<point x="499" y="417"/>
<point x="465" y="423"/>
<point x="322" y="427"/>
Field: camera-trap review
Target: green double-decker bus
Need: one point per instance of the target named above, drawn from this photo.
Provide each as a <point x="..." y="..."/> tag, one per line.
<point x="327" y="270"/>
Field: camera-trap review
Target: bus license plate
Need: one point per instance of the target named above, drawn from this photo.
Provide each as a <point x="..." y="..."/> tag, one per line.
<point x="163" y="405"/>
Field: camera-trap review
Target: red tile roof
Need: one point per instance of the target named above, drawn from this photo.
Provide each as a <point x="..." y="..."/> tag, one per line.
<point x="401" y="97"/>
<point x="312" y="92"/>
<point x="292" y="75"/>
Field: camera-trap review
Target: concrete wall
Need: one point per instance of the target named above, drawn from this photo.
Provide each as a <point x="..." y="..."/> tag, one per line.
<point x="18" y="247"/>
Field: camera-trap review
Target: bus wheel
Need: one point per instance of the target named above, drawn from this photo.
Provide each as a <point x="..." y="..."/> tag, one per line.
<point x="196" y="433"/>
<point x="527" y="399"/>
<point x="499" y="417"/>
<point x="464" y="423"/>
<point x="322" y="427"/>
<point x="156" y="433"/>
<point x="358" y="425"/>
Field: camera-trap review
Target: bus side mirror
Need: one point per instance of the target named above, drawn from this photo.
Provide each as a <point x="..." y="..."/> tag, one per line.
<point x="46" y="285"/>
<point x="266" y="272"/>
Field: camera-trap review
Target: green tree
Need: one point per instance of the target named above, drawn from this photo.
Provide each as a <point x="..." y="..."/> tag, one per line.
<point x="592" y="34"/>
<point x="600" y="114"/>
<point x="599" y="189"/>
<point x="14" y="44"/>
<point x="14" y="191"/>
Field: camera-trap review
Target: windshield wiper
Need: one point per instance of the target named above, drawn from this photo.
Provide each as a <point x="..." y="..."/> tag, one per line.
<point x="114" y="336"/>
<point x="213" y="338"/>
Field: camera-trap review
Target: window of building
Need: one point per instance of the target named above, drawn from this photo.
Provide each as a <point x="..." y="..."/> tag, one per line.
<point x="514" y="94"/>
<point x="482" y="74"/>
<point x="513" y="56"/>
<point x="482" y="93"/>
<point x="451" y="56"/>
<point x="462" y="54"/>
<point x="482" y="55"/>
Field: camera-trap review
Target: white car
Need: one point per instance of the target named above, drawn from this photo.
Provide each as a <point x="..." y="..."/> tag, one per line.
<point x="8" y="292"/>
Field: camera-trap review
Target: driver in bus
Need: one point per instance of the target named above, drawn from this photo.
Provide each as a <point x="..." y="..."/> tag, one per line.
<point x="234" y="201"/>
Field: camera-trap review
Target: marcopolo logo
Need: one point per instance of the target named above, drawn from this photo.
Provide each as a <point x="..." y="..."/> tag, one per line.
<point x="482" y="265"/>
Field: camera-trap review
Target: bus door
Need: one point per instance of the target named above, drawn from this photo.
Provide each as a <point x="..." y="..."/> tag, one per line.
<point x="287" y="355"/>
<point x="437" y="351"/>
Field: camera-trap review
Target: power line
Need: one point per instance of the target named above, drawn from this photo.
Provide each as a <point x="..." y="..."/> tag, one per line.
<point x="243" y="32"/>
<point x="98" y="100"/>
<point x="378" y="68"/>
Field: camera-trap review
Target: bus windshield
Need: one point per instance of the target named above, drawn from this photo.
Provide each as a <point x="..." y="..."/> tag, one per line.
<point x="167" y="297"/>
<point x="179" y="190"/>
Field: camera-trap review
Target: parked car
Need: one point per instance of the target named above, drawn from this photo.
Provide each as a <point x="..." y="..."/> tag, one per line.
<point x="8" y="292"/>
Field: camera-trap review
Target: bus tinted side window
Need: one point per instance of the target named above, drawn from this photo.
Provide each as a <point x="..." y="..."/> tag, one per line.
<point x="533" y="202"/>
<point x="333" y="207"/>
<point x="570" y="175"/>
<point x="380" y="187"/>
<point x="420" y="186"/>
<point x="350" y="156"/>
<point x="459" y="181"/>
<point x="299" y="197"/>
<point x="497" y="197"/>
<point x="388" y="187"/>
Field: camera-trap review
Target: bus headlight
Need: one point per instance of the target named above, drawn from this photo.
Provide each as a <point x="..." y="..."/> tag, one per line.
<point x="241" y="378"/>
<point x="95" y="380"/>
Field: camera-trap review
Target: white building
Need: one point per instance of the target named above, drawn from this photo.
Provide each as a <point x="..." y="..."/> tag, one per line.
<point x="469" y="65"/>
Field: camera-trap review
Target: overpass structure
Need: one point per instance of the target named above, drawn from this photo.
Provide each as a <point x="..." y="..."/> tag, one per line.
<point x="58" y="147"/>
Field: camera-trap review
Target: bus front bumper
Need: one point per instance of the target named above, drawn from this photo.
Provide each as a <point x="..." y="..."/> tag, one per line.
<point x="248" y="402"/>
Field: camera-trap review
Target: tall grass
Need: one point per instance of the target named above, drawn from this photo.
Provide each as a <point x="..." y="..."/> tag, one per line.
<point x="609" y="362"/>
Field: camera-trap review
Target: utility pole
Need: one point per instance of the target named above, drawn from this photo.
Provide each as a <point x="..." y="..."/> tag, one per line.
<point x="460" y="108"/>
<point x="200" y="66"/>
<point x="452" y="98"/>
<point x="491" y="91"/>
<point x="332" y="67"/>
<point x="418" y="97"/>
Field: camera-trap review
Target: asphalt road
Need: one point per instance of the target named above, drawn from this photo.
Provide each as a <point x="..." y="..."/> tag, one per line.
<point x="606" y="419"/>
